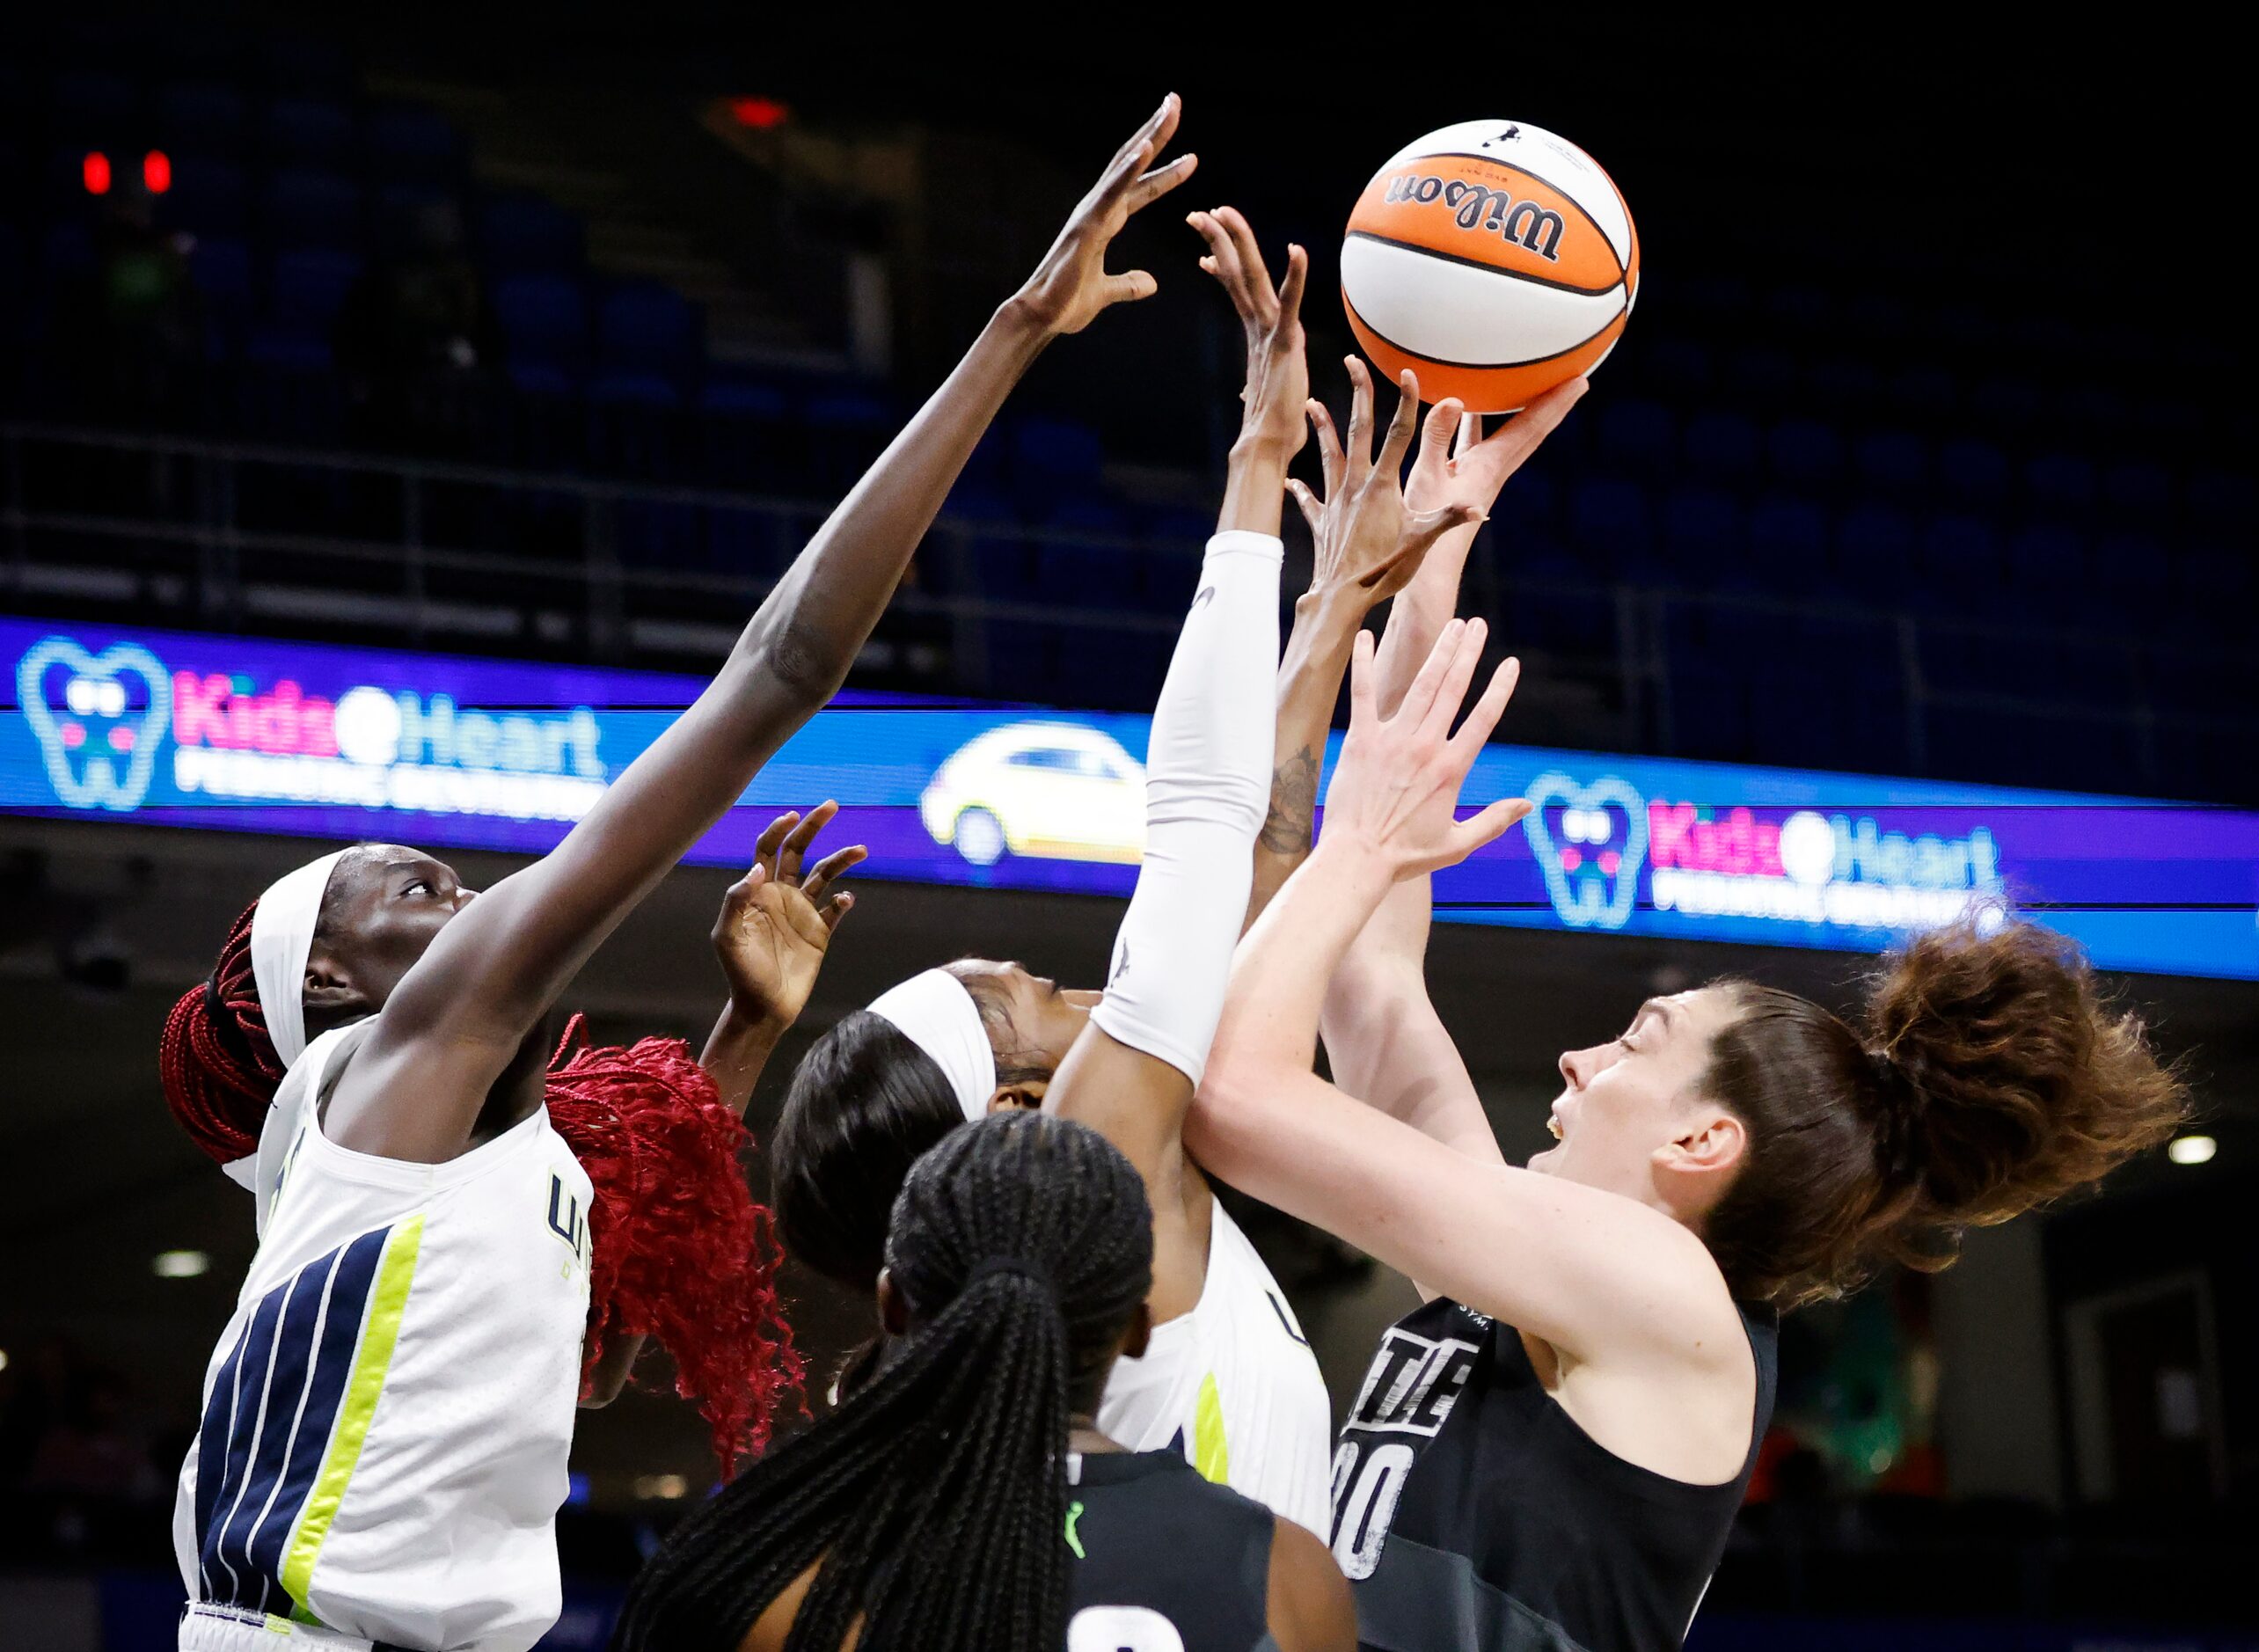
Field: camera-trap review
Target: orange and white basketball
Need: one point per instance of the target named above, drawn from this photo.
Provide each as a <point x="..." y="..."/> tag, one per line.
<point x="1493" y="259"/>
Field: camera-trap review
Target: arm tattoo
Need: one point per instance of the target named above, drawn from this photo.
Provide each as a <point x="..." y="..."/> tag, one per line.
<point x="1293" y="804"/>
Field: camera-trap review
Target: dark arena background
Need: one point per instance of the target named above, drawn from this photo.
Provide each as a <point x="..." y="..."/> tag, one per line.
<point x="489" y="363"/>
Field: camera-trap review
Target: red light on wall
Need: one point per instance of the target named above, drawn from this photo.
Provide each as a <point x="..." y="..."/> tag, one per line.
<point x="157" y="172"/>
<point x="96" y="171"/>
<point x="761" y="113"/>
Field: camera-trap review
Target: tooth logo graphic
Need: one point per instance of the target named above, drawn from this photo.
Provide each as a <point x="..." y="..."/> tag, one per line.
<point x="100" y="753"/>
<point x="1591" y="842"/>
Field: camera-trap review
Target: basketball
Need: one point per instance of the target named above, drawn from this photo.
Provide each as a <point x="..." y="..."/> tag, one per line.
<point x="1493" y="259"/>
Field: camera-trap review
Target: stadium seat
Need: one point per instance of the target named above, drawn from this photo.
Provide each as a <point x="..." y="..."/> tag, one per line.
<point x="308" y="289"/>
<point x="1958" y="565"/>
<point x="546" y="320"/>
<point x="305" y="132"/>
<point x="520" y="235"/>
<point x="406" y="145"/>
<point x="202" y="119"/>
<point x="1805" y="454"/>
<point x="1637" y="437"/>
<point x="2139" y="495"/>
<point x="208" y="197"/>
<point x="1894" y="464"/>
<point x="1761" y="378"/>
<point x="2061" y="485"/>
<point x="1789" y="544"/>
<point x="2047" y="570"/>
<point x="305" y="207"/>
<point x="1875" y="551"/>
<point x="1609" y="524"/>
<point x="1720" y="447"/>
<point x="221" y="268"/>
<point x="648" y="331"/>
<point x="1704" y="535"/>
<point x="1972" y="474"/>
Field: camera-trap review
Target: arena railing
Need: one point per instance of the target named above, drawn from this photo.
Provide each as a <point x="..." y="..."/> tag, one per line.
<point x="238" y="536"/>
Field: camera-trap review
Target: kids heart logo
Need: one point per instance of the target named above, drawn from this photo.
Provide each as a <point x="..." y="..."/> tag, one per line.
<point x="1591" y="842"/>
<point x="99" y="747"/>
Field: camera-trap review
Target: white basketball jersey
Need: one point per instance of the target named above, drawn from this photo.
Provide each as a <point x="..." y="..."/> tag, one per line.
<point x="1233" y="1386"/>
<point x="387" y="1416"/>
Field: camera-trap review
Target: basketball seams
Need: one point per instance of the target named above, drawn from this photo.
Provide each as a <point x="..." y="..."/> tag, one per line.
<point x="1489" y="269"/>
<point x="1585" y="343"/>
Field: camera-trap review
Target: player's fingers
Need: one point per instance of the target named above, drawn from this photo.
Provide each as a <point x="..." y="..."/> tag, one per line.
<point x="1251" y="254"/>
<point x="1420" y="698"/>
<point x="798" y="840"/>
<point x="1222" y="259"/>
<point x="1422" y="531"/>
<point x="773" y="837"/>
<point x="1358" y="449"/>
<point x="837" y="908"/>
<point x="1518" y="437"/>
<point x="1331" y="461"/>
<point x="1451" y="691"/>
<point x="1289" y="291"/>
<point x="1158" y="182"/>
<point x="1362" y="710"/>
<point x="1401" y="425"/>
<point x="1470" y="435"/>
<point x="832" y="868"/>
<point x="1147" y="141"/>
<point x="1483" y="718"/>
<point x="1129" y="287"/>
<point x="1487" y="827"/>
<point x="1307" y="502"/>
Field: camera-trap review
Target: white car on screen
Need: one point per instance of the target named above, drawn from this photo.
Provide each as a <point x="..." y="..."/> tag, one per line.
<point x="1055" y="790"/>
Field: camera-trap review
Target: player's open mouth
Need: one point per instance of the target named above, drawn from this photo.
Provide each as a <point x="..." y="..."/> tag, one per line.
<point x="1553" y="1124"/>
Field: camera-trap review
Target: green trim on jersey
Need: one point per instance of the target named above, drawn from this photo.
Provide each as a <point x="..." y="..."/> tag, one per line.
<point x="366" y="1385"/>
<point x="1211" y="1453"/>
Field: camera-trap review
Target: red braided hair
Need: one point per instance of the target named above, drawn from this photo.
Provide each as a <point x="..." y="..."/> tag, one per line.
<point x="682" y="1251"/>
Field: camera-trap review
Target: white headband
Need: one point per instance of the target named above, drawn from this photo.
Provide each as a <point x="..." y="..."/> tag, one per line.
<point x="935" y="1013"/>
<point x="282" y="935"/>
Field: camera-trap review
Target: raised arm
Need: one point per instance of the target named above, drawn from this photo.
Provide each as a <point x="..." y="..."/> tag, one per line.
<point x="1595" y="1274"/>
<point x="1364" y="548"/>
<point x="773" y="936"/>
<point x="457" y="1019"/>
<point x="1385" y="1042"/>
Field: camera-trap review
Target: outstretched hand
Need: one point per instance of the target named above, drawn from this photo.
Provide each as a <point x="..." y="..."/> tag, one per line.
<point x="1457" y="464"/>
<point x="1395" y="793"/>
<point x="1279" y="376"/>
<point x="1366" y="535"/>
<point x="777" y="922"/>
<point x="1071" y="285"/>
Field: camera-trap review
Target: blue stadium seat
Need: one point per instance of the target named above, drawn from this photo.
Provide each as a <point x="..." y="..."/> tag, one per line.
<point x="305" y="207"/>
<point x="91" y="106"/>
<point x="846" y="429"/>
<point x="1761" y="376"/>
<point x="1972" y="473"/>
<point x="406" y="145"/>
<point x="1720" y="447"/>
<point x="2061" y="484"/>
<point x="307" y="132"/>
<point x="521" y="234"/>
<point x="1844" y="387"/>
<point x="1924" y="392"/>
<point x="2008" y="408"/>
<point x="1959" y="563"/>
<point x="1894" y="464"/>
<point x="2222" y="502"/>
<point x="1684" y="365"/>
<point x="1704" y="534"/>
<point x="2047" y="569"/>
<point x="2140" y="493"/>
<point x="2129" y="584"/>
<point x="1880" y="320"/>
<point x="748" y="434"/>
<point x="1789" y="544"/>
<point x="1528" y="503"/>
<point x="206" y="198"/>
<point x="1802" y="314"/>
<point x="221" y="268"/>
<point x="1805" y="454"/>
<point x="1636" y="437"/>
<point x="1608" y="523"/>
<point x="648" y="328"/>
<point x="1052" y="451"/>
<point x="66" y="250"/>
<point x="546" y="320"/>
<point x="1874" y="549"/>
<point x="308" y="288"/>
<point x="200" y="118"/>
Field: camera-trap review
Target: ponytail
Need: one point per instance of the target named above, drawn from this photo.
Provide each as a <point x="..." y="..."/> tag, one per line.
<point x="1986" y="1075"/>
<point x="932" y="1503"/>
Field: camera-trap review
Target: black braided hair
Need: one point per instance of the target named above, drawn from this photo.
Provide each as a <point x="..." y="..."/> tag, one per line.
<point x="935" y="1498"/>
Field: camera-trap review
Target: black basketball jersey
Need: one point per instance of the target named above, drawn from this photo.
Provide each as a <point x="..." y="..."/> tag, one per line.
<point x="1472" y="1514"/>
<point x="1165" y="1561"/>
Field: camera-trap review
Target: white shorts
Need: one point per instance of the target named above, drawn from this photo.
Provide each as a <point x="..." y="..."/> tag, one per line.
<point x="205" y="1627"/>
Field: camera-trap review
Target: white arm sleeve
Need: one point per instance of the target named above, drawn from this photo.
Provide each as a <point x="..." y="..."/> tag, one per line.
<point x="1208" y="780"/>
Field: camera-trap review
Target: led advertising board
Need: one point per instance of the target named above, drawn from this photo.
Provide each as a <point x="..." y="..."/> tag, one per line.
<point x="246" y="734"/>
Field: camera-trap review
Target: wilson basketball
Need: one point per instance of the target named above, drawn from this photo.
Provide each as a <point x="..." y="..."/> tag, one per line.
<point x="1494" y="259"/>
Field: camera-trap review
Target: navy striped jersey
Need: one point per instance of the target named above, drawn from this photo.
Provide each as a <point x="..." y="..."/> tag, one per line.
<point x="1472" y="1514"/>
<point x="386" y="1417"/>
<point x="1165" y="1561"/>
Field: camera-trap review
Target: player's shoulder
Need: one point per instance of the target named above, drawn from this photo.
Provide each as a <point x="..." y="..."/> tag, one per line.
<point x="1309" y="1605"/>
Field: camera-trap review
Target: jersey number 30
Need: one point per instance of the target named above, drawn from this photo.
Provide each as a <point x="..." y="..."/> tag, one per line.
<point x="1364" y="1502"/>
<point x="1121" y="1629"/>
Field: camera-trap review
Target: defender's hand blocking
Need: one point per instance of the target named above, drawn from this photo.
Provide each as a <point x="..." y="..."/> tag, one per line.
<point x="1070" y="286"/>
<point x="776" y="923"/>
<point x="1396" y="792"/>
<point x="1278" y="376"/>
<point x="1365" y="535"/>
